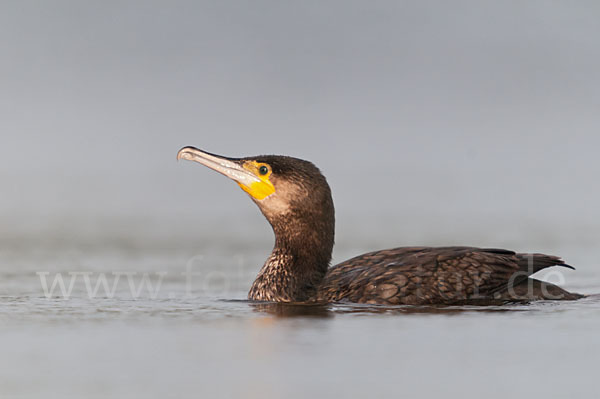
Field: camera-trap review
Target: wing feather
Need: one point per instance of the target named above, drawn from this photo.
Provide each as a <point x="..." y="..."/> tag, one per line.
<point x="421" y="275"/>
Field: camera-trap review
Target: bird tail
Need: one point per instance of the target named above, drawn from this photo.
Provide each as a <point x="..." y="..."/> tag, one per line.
<point x="532" y="263"/>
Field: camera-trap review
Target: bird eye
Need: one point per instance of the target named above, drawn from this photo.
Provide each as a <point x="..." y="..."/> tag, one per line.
<point x="263" y="170"/>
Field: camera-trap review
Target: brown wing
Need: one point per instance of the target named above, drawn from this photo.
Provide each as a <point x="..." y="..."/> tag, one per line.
<point x="425" y="275"/>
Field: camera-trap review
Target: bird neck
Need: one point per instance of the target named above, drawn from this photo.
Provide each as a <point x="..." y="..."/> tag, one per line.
<point x="300" y="258"/>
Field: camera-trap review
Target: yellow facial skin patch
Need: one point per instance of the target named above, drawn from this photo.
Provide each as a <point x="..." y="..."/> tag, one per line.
<point x="262" y="189"/>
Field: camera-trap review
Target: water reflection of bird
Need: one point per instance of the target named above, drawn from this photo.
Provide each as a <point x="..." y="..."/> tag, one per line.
<point x="296" y="200"/>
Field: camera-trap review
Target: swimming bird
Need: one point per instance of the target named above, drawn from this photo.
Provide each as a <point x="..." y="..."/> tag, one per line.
<point x="295" y="198"/>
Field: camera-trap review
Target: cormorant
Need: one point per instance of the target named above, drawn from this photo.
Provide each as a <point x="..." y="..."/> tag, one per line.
<point x="296" y="200"/>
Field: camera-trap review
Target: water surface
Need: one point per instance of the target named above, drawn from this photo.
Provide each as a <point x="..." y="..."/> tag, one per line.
<point x="199" y="337"/>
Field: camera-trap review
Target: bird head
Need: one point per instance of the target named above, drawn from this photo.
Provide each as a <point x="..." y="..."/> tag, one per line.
<point x="283" y="187"/>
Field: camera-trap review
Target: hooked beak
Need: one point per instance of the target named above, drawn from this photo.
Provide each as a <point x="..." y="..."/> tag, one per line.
<point x="229" y="167"/>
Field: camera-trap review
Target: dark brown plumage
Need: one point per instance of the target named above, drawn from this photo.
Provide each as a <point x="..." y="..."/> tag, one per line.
<point x="450" y="275"/>
<point x="296" y="200"/>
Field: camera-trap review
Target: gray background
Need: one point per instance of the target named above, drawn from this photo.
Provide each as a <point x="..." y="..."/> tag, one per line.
<point x="446" y="122"/>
